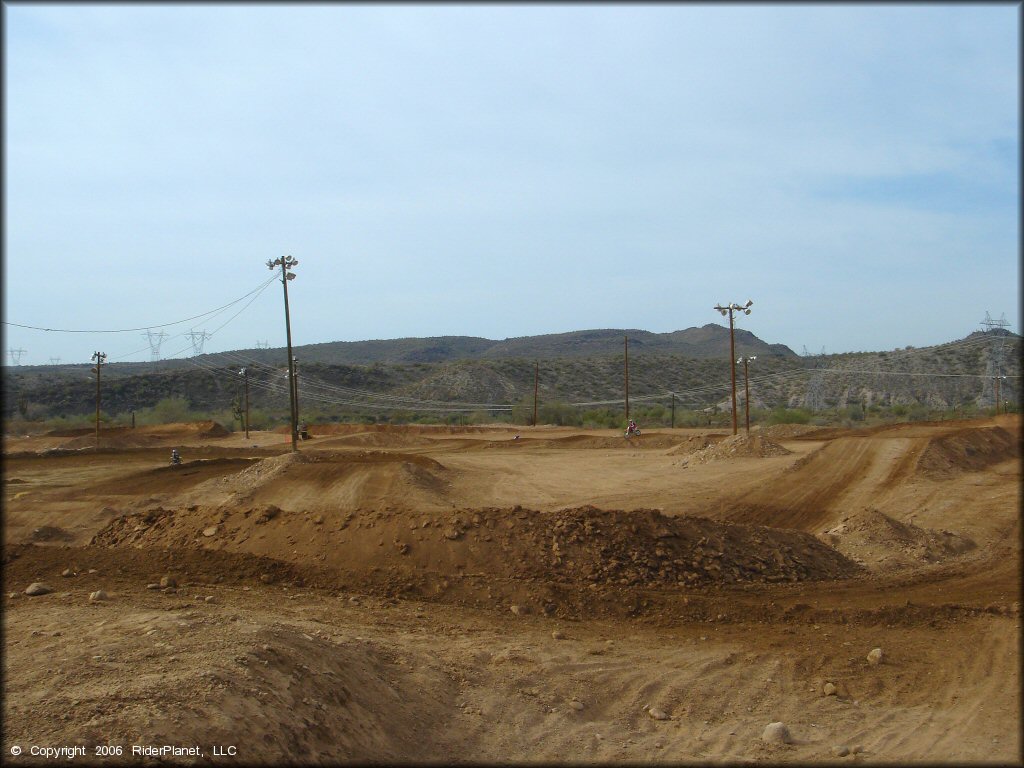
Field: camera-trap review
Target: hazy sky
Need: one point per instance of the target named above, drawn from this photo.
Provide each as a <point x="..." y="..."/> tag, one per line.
<point x="503" y="170"/>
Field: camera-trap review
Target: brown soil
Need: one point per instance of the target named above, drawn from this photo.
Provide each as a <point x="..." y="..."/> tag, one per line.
<point x="437" y="595"/>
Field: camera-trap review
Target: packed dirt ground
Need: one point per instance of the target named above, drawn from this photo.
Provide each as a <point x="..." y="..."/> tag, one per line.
<point x="501" y="595"/>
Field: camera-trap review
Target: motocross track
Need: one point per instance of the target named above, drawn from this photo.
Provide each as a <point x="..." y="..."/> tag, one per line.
<point x="427" y="594"/>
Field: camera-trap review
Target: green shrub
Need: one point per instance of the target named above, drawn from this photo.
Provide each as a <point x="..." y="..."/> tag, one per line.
<point x="789" y="416"/>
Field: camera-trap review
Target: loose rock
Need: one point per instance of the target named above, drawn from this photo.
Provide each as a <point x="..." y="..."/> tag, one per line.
<point x="38" y="588"/>
<point x="98" y="596"/>
<point x="829" y="689"/>
<point x="840" y="750"/>
<point x="558" y="635"/>
<point x="168" y="581"/>
<point x="875" y="657"/>
<point x="211" y="531"/>
<point x="658" y="714"/>
<point x="519" y="610"/>
<point x="776" y="733"/>
<point x="67" y="572"/>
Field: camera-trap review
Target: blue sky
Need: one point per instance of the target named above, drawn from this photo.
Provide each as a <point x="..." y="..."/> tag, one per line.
<point x="503" y="170"/>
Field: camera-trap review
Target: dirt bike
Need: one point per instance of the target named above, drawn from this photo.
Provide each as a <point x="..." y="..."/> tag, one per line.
<point x="632" y="432"/>
<point x="175" y="460"/>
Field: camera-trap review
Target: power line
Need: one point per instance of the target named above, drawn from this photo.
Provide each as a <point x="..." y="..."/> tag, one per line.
<point x="144" y="327"/>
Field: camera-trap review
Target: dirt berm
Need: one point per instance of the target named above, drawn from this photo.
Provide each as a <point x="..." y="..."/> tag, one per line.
<point x="576" y="547"/>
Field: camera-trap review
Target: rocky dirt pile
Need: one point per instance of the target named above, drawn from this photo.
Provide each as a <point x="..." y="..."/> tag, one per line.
<point x="579" y="547"/>
<point x="737" y="446"/>
<point x="872" y="537"/>
<point x="784" y="431"/>
<point x="694" y="443"/>
<point x="967" y="450"/>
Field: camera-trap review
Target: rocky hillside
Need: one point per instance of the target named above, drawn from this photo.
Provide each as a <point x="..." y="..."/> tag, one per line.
<point x="583" y="367"/>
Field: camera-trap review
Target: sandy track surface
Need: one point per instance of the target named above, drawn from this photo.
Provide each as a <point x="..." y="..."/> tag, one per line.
<point x="424" y="596"/>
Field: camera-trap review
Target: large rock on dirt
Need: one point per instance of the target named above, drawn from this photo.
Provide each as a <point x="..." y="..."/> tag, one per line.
<point x="776" y="733"/>
<point x="168" y="581"/>
<point x="38" y="588"/>
<point x="875" y="656"/>
<point x="99" y="596"/>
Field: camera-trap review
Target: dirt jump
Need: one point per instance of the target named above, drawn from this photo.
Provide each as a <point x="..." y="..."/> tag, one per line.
<point x="514" y="595"/>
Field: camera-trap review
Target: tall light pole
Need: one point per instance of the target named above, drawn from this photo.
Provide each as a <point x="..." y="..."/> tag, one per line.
<point x="728" y="310"/>
<point x="746" y="386"/>
<point x="286" y="263"/>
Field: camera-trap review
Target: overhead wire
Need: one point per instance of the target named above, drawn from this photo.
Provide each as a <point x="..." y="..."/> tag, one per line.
<point x="144" y="327"/>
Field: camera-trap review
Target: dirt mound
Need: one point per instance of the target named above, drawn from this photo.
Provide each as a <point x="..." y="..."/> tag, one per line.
<point x="875" y="538"/>
<point x="576" y="547"/>
<point x="737" y="446"/>
<point x="141" y="437"/>
<point x="168" y="478"/>
<point x="212" y="429"/>
<point x="694" y="443"/>
<point x="582" y="441"/>
<point x="329" y="481"/>
<point x="379" y="439"/>
<point x="967" y="450"/>
<point x="785" y="431"/>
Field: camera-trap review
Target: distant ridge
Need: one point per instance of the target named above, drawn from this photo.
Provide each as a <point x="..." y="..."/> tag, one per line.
<point x="708" y="341"/>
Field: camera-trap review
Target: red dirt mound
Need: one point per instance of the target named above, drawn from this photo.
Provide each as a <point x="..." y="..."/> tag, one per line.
<point x="142" y="437"/>
<point x="967" y="450"/>
<point x="328" y="480"/>
<point x="873" y="537"/>
<point x="573" y="547"/>
<point x="736" y="446"/>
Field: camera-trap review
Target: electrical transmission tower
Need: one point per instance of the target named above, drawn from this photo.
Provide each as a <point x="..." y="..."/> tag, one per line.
<point x="814" y="399"/>
<point x="262" y="344"/>
<point x="16" y="355"/>
<point x="155" y="341"/>
<point x="54" y="361"/>
<point x="198" y="338"/>
<point x="994" y="366"/>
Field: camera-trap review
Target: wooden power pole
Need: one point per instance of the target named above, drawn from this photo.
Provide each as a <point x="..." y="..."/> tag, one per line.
<point x="536" y="386"/>
<point x="626" y="348"/>
<point x="286" y="263"/>
<point x="99" y="357"/>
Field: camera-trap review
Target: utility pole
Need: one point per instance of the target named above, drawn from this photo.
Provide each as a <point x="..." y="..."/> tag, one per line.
<point x="99" y="357"/>
<point x="673" y="410"/>
<point x="626" y="347"/>
<point x="746" y="387"/>
<point x="996" y="380"/>
<point x="295" y="388"/>
<point x="728" y="310"/>
<point x="286" y="263"/>
<point x="536" y="386"/>
<point x="245" y="377"/>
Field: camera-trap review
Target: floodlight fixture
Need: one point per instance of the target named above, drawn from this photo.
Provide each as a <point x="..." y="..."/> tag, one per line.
<point x="729" y="310"/>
